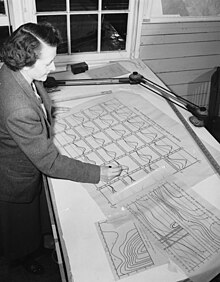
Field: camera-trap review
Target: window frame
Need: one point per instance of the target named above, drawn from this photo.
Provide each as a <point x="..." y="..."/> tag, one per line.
<point x="4" y="18"/>
<point x="133" y="26"/>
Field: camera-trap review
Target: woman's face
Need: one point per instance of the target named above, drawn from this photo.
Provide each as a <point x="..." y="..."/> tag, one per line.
<point x="44" y="64"/>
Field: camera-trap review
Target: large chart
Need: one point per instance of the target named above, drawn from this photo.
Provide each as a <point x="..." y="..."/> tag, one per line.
<point x="124" y="129"/>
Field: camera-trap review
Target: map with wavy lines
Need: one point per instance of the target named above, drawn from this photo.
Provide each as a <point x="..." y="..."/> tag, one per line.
<point x="173" y="220"/>
<point x="125" y="129"/>
<point x="178" y="223"/>
<point x="126" y="250"/>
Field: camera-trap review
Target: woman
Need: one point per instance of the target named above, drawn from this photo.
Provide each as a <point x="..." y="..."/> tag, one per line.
<point x="27" y="152"/>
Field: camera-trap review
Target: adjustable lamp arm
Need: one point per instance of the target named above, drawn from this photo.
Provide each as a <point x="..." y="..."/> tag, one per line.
<point x="197" y="111"/>
<point x="135" y="78"/>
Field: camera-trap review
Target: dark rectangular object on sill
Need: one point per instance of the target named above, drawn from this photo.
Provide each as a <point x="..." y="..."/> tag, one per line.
<point x="79" y="67"/>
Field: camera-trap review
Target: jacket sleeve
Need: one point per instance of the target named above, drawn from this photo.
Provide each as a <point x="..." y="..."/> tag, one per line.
<point x="27" y="129"/>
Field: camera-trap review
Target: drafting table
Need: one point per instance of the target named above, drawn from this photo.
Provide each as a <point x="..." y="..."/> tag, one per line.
<point x="74" y="212"/>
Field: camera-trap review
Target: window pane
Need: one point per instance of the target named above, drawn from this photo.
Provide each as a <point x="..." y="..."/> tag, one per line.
<point x="2" y="7"/>
<point x="4" y="31"/>
<point x="83" y="5"/>
<point x="115" y="4"/>
<point x="83" y="33"/>
<point x="50" y="5"/>
<point x="58" y="22"/>
<point x="114" y="32"/>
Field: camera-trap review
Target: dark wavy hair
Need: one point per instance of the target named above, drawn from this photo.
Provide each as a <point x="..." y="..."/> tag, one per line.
<point x="23" y="47"/>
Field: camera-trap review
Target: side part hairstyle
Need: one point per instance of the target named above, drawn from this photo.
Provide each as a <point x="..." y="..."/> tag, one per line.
<point x="23" y="47"/>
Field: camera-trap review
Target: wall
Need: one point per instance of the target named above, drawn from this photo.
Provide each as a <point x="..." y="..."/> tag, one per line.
<point x="183" y="55"/>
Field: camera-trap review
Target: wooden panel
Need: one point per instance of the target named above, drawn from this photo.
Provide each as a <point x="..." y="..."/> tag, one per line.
<point x="182" y="55"/>
<point x="179" y="50"/>
<point x="179" y="28"/>
<point x="189" y="76"/>
<point x="184" y="63"/>
<point x="196" y="92"/>
<point x="180" y="38"/>
<point x="190" y="88"/>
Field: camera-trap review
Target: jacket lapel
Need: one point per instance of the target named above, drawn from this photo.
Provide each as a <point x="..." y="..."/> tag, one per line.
<point x="29" y="92"/>
<point x="45" y="98"/>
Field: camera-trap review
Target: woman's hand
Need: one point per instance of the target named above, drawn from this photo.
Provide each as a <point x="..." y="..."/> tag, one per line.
<point x="107" y="173"/>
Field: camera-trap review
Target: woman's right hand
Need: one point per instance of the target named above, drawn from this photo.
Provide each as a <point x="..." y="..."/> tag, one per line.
<point x="107" y="173"/>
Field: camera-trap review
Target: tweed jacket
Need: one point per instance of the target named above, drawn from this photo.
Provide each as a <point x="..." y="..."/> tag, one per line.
<point x="27" y="150"/>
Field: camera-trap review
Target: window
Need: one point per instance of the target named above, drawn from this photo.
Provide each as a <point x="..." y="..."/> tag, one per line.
<point x="182" y="10"/>
<point x="5" y="26"/>
<point x="91" y="28"/>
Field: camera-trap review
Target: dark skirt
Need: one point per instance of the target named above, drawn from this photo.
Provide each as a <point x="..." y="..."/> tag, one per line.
<point x="22" y="227"/>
